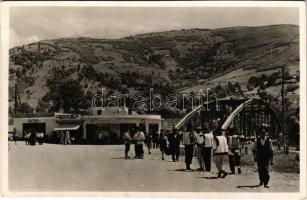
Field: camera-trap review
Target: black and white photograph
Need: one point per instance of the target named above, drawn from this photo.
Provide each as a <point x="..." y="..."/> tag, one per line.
<point x="154" y="98"/>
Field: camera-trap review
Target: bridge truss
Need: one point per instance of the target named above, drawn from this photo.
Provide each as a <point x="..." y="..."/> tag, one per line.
<point x="241" y="116"/>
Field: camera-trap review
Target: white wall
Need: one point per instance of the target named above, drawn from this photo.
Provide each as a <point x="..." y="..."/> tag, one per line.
<point x="49" y="121"/>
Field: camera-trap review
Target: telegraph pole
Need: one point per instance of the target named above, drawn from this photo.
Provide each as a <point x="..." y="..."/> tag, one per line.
<point x="283" y="105"/>
<point x="15" y="99"/>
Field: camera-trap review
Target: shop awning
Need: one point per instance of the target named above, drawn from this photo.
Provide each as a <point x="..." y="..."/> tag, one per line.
<point x="63" y="127"/>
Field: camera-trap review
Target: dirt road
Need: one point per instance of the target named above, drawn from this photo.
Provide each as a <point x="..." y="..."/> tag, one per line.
<point x="103" y="168"/>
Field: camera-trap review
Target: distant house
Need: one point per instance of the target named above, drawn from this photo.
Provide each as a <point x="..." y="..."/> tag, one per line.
<point x="162" y="52"/>
<point x="277" y="82"/>
<point x="292" y="80"/>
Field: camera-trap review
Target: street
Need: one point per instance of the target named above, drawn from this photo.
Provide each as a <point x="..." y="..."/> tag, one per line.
<point x="51" y="167"/>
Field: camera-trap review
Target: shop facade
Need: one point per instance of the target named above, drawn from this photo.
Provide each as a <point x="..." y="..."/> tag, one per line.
<point x="103" y="128"/>
<point x="23" y="124"/>
<point x="100" y="127"/>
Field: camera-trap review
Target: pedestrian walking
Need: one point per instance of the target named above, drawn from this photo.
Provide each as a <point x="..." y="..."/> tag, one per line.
<point x="26" y="137"/>
<point x="207" y="151"/>
<point x="100" y="141"/>
<point x="40" y="138"/>
<point x="220" y="149"/>
<point x="252" y="148"/>
<point x="61" y="137"/>
<point x="200" y="148"/>
<point x="32" y="138"/>
<point x="139" y="137"/>
<point x="127" y="140"/>
<point x="189" y="140"/>
<point x="234" y="153"/>
<point x="155" y="140"/>
<point x="15" y="136"/>
<point x="148" y="140"/>
<point x="163" y="141"/>
<point x="134" y="142"/>
<point x="67" y="137"/>
<point x="263" y="149"/>
<point x="174" y="143"/>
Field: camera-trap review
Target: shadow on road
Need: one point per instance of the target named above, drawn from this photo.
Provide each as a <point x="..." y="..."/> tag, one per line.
<point x="247" y="186"/>
<point x="183" y="170"/>
<point x="123" y="158"/>
<point x="211" y="177"/>
<point x="178" y="170"/>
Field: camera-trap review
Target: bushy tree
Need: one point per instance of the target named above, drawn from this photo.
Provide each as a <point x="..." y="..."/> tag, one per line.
<point x="67" y="95"/>
<point x="25" y="108"/>
<point x="41" y="106"/>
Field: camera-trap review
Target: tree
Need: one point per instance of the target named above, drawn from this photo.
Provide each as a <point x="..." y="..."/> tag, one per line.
<point x="67" y="95"/>
<point x="10" y="110"/>
<point x="263" y="95"/>
<point x="26" y="108"/>
<point x="18" y="74"/>
<point x="41" y="106"/>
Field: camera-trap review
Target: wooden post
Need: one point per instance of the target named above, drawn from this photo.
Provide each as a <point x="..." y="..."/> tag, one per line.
<point x="283" y="106"/>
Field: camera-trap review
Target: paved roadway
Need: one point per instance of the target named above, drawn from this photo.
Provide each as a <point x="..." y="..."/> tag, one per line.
<point x="51" y="167"/>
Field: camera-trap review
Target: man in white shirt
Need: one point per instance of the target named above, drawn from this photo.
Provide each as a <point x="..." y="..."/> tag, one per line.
<point x="207" y="150"/>
<point x="220" y="150"/>
<point x="139" y="138"/>
<point x="199" y="150"/>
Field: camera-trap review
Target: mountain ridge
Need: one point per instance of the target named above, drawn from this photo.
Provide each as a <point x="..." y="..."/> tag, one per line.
<point x="165" y="61"/>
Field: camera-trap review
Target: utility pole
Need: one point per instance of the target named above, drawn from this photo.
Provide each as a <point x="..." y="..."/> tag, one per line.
<point x="283" y="106"/>
<point x="17" y="103"/>
<point x="15" y="99"/>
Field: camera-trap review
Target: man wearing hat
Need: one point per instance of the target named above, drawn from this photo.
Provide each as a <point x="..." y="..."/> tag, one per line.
<point x="188" y="140"/>
<point x="263" y="149"/>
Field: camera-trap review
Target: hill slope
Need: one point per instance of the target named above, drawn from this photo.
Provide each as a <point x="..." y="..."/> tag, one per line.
<point x="166" y="61"/>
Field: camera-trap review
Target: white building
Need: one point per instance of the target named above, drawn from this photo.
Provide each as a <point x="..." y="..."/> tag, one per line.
<point x="87" y="128"/>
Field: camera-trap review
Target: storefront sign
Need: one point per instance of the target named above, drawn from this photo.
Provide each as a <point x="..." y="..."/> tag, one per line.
<point x="67" y="117"/>
<point x="34" y="120"/>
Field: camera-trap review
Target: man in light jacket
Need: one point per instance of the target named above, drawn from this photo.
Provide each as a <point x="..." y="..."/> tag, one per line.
<point x="139" y="138"/>
<point x="220" y="149"/>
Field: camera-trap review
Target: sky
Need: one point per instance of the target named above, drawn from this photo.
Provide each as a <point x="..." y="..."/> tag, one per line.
<point x="32" y="24"/>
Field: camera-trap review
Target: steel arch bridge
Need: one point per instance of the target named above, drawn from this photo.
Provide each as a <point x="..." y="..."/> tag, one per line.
<point x="242" y="116"/>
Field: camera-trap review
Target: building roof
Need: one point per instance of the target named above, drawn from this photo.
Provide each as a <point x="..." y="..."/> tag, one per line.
<point x="120" y="116"/>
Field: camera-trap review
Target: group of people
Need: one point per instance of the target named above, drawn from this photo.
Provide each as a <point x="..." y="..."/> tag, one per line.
<point x="137" y="137"/>
<point x="216" y="143"/>
<point x="208" y="143"/>
<point x="64" y="137"/>
<point x="168" y="144"/>
<point x="205" y="143"/>
<point x="32" y="137"/>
